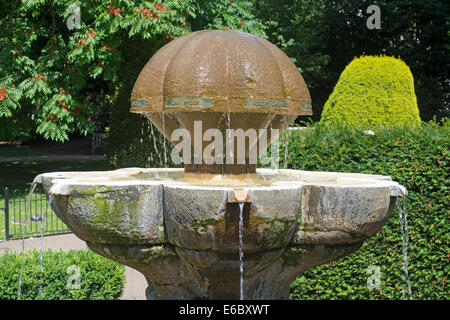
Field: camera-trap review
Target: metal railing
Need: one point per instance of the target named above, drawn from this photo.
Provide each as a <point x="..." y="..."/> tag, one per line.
<point x="21" y="215"/>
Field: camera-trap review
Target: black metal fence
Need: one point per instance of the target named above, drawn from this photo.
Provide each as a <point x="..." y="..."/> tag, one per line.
<point x="24" y="215"/>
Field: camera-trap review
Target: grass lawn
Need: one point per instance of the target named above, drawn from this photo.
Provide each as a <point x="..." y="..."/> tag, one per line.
<point x="6" y="151"/>
<point x="20" y="212"/>
<point x="18" y="176"/>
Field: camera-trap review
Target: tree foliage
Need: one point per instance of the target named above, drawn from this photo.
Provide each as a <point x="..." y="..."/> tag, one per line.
<point x="53" y="80"/>
<point x="323" y="36"/>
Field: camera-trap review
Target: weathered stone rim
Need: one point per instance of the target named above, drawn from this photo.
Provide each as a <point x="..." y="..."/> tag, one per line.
<point x="60" y="182"/>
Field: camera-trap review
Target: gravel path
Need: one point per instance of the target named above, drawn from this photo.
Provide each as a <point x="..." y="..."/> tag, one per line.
<point x="135" y="282"/>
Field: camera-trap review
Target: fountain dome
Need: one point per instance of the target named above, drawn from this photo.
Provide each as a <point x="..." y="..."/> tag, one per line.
<point x="220" y="71"/>
<point x="225" y="79"/>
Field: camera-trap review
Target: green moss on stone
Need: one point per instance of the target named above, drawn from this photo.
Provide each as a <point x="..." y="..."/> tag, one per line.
<point x="203" y="223"/>
<point x="292" y="256"/>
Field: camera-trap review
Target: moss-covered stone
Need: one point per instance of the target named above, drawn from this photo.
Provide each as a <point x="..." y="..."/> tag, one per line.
<point x="118" y="214"/>
<point x="204" y="223"/>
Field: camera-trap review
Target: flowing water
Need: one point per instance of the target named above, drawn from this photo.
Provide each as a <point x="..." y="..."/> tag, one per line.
<point x="241" y="250"/>
<point x="164" y="139"/>
<point x="43" y="222"/>
<point x="19" y="290"/>
<point x="286" y="148"/>
<point x="402" y="209"/>
<point x="147" y="132"/>
<point x="24" y="231"/>
<point x="153" y="137"/>
<point x="228" y="132"/>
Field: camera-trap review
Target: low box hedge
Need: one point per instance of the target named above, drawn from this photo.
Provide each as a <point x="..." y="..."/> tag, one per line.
<point x="100" y="278"/>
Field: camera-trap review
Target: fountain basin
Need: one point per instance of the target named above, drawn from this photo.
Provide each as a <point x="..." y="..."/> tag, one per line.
<point x="183" y="234"/>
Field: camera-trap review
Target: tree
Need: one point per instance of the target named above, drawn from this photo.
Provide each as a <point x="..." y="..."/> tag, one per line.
<point x="298" y="28"/>
<point x="55" y="81"/>
<point x="52" y="79"/>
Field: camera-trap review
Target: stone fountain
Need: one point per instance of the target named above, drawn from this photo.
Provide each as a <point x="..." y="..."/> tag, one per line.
<point x="220" y="230"/>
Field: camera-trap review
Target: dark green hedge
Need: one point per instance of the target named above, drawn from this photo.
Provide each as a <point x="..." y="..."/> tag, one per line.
<point x="416" y="158"/>
<point x="101" y="278"/>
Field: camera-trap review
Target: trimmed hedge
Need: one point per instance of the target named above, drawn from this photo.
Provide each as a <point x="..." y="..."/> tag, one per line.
<point x="418" y="159"/>
<point x="373" y="91"/>
<point x="101" y="278"/>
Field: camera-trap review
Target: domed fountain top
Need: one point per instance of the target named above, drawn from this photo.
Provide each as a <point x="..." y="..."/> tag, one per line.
<point x="221" y="71"/>
<point x="224" y="80"/>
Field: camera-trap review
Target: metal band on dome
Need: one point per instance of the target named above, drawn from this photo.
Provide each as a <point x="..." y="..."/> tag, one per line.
<point x="188" y="102"/>
<point x="306" y="106"/>
<point x="138" y="103"/>
<point x="265" y="103"/>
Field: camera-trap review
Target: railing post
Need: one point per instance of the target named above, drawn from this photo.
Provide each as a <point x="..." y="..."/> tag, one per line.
<point x="6" y="214"/>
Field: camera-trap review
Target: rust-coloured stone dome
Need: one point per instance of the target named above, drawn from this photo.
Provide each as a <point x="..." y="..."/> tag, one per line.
<point x="221" y="71"/>
<point x="226" y="79"/>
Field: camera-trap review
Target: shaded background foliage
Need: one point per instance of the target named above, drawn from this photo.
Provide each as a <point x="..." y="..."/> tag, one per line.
<point x="323" y="36"/>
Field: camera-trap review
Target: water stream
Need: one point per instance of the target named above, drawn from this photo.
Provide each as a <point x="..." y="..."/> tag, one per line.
<point x="228" y="132"/>
<point x="402" y="209"/>
<point x="148" y="132"/>
<point x="43" y="222"/>
<point x="241" y="250"/>
<point x="24" y="231"/>
<point x="164" y="139"/>
<point x="19" y="290"/>
<point x="286" y="148"/>
<point x="153" y="137"/>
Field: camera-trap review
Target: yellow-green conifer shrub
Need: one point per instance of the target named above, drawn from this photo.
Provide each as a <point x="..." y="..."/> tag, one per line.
<point x="373" y="91"/>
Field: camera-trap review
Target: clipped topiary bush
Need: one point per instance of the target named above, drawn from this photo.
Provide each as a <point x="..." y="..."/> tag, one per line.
<point x="417" y="158"/>
<point x="373" y="91"/>
<point x="100" y="278"/>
